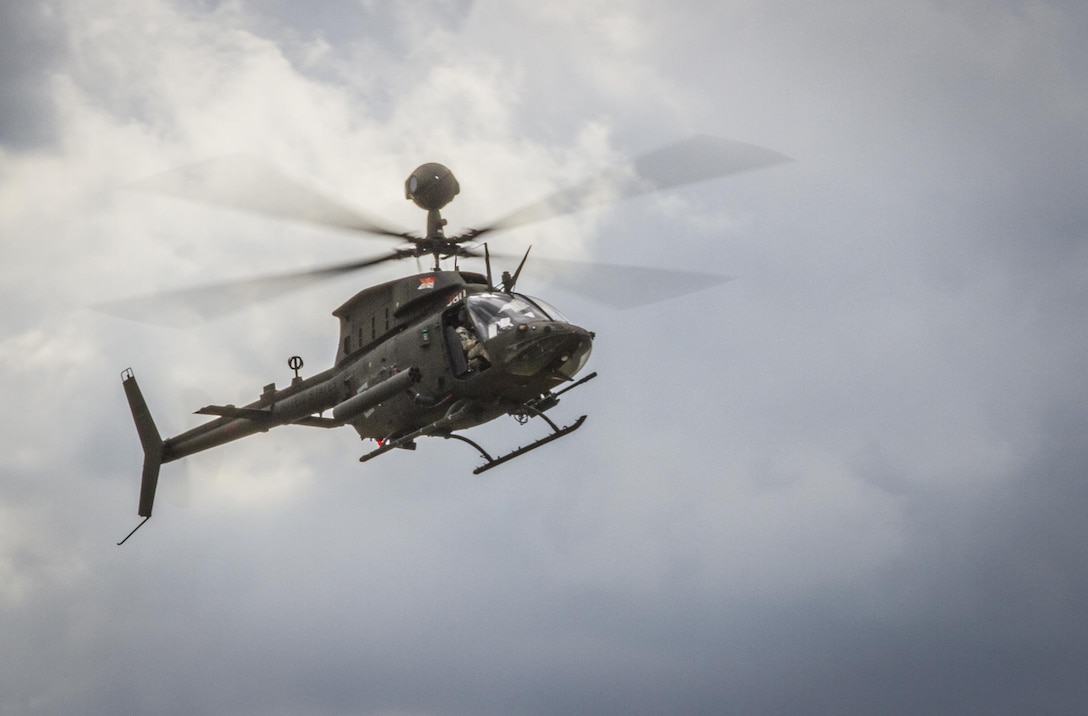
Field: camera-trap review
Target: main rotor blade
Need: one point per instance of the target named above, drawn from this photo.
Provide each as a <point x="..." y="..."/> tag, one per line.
<point x="618" y="286"/>
<point x="189" y="306"/>
<point x="690" y="160"/>
<point x="241" y="182"/>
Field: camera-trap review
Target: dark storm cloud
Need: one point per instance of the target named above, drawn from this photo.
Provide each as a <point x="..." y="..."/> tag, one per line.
<point x="31" y="48"/>
<point x="982" y="613"/>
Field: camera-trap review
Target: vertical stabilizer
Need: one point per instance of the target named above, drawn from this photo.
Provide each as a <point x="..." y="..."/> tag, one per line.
<point x="149" y="439"/>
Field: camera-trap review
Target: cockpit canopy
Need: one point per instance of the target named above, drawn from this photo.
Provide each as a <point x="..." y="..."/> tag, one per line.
<point x="494" y="313"/>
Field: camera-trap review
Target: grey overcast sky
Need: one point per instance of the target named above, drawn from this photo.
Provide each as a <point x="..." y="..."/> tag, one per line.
<point x="851" y="480"/>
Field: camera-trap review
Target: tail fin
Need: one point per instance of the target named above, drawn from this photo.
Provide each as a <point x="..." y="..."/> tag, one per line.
<point x="151" y="442"/>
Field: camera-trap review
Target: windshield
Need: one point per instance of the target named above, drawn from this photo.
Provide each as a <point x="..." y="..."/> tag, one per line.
<point x="494" y="313"/>
<point x="549" y="309"/>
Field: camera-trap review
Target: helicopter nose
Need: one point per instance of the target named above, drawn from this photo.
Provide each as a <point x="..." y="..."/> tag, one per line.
<point x="547" y="347"/>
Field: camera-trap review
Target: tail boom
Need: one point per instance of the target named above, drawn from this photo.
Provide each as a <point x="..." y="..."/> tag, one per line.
<point x="295" y="404"/>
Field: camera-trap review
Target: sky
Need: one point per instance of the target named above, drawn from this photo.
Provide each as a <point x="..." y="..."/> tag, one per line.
<point x="851" y="479"/>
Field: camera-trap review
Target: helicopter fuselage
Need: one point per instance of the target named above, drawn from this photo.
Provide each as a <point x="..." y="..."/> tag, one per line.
<point x="466" y="345"/>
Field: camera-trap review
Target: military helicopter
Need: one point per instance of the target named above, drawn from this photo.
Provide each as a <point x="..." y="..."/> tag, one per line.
<point x="432" y="354"/>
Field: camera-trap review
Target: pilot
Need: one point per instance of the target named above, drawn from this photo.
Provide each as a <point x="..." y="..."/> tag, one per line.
<point x="474" y="349"/>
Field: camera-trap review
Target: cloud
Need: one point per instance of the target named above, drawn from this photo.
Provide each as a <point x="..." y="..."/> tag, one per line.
<point x="850" y="478"/>
<point x="30" y="51"/>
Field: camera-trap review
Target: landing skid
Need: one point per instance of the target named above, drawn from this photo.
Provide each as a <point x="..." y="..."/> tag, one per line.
<point x="557" y="432"/>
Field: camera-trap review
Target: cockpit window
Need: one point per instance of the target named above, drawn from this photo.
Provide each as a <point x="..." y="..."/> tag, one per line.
<point x="548" y="308"/>
<point x="494" y="313"/>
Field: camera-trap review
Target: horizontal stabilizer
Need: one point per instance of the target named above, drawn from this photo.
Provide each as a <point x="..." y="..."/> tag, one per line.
<point x="316" y="421"/>
<point x="229" y="411"/>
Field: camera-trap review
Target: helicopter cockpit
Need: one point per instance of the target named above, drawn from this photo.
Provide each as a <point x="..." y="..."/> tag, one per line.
<point x="495" y="313"/>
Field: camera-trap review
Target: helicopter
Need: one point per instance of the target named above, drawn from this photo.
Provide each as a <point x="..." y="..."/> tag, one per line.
<point x="431" y="354"/>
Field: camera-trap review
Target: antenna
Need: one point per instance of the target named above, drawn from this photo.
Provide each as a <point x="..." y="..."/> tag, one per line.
<point x="517" y="273"/>
<point x="508" y="281"/>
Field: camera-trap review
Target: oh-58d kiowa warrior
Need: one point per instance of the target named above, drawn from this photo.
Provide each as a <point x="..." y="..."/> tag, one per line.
<point x="433" y="354"/>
